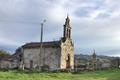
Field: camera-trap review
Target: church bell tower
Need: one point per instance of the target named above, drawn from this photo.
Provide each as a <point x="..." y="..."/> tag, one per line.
<point x="67" y="29"/>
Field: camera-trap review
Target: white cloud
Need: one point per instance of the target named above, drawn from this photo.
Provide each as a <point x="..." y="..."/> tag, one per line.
<point x="57" y="14"/>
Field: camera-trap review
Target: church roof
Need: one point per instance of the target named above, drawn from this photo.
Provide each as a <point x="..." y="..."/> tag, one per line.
<point x="44" y="44"/>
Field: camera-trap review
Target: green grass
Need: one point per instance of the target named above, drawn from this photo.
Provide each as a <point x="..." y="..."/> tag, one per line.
<point x="113" y="74"/>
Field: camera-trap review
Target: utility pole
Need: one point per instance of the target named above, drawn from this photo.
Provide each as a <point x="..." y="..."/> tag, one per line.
<point x="22" y="57"/>
<point x="41" y="40"/>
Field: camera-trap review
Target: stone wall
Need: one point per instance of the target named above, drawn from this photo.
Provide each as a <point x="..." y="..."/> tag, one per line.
<point x="49" y="56"/>
<point x="7" y="64"/>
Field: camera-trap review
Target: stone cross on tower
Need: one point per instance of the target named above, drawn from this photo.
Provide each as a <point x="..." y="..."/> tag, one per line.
<point x="67" y="29"/>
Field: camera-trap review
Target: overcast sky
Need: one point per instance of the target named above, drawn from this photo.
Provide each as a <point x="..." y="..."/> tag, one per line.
<point x="95" y="23"/>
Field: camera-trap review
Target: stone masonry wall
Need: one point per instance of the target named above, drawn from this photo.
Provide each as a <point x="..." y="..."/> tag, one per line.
<point x="51" y="57"/>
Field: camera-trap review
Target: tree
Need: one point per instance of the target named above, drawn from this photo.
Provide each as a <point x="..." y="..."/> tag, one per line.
<point x="4" y="53"/>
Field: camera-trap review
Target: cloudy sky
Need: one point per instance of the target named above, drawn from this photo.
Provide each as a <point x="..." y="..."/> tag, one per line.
<point x="95" y="23"/>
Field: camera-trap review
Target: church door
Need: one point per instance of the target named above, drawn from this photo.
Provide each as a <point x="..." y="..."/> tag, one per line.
<point x="68" y="61"/>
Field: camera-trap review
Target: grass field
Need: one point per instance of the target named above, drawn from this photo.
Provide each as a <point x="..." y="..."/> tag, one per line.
<point x="113" y="74"/>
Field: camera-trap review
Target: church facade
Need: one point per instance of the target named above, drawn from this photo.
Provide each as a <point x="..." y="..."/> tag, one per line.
<point x="54" y="54"/>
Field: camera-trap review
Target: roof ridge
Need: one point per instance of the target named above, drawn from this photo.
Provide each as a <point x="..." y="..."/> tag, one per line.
<point x="45" y="44"/>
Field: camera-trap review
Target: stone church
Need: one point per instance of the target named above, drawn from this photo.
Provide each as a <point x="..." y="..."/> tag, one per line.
<point x="55" y="54"/>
